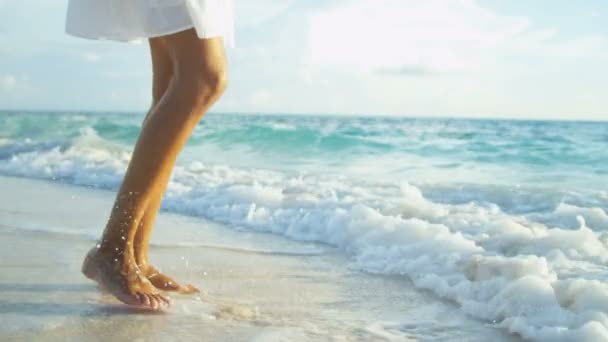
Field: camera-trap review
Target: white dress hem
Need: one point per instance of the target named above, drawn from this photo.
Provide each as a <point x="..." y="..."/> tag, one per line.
<point x="133" y="21"/>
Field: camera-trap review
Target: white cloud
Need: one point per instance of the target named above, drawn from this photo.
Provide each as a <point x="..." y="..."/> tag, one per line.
<point x="460" y="58"/>
<point x="252" y="13"/>
<point x="431" y="35"/>
<point x="8" y="82"/>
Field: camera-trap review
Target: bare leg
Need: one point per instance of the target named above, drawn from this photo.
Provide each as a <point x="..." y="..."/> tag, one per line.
<point x="162" y="68"/>
<point x="198" y="81"/>
<point x="160" y="280"/>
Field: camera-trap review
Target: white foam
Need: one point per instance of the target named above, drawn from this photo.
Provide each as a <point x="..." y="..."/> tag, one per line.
<point x="278" y="126"/>
<point x="566" y="215"/>
<point x="498" y="267"/>
<point x="89" y="161"/>
<point x="539" y="274"/>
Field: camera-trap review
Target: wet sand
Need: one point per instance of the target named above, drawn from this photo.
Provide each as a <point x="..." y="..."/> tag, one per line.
<point x="256" y="287"/>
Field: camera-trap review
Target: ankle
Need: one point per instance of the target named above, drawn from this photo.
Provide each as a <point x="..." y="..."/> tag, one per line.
<point x="120" y="251"/>
<point x="142" y="263"/>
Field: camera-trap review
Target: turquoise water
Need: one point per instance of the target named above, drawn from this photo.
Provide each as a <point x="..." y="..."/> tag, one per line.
<point x="563" y="156"/>
<point x="569" y="159"/>
<point x="508" y="219"/>
<point x="533" y="148"/>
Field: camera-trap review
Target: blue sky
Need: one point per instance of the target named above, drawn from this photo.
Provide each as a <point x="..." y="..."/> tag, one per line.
<point x="484" y="58"/>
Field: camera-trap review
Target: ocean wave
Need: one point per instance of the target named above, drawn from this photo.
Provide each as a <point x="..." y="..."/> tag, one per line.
<point x="524" y="248"/>
<point x="9" y="148"/>
<point x="537" y="272"/>
<point x="288" y="139"/>
<point x="562" y="149"/>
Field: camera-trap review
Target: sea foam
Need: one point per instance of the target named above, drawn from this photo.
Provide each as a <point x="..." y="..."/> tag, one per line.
<point x="535" y="274"/>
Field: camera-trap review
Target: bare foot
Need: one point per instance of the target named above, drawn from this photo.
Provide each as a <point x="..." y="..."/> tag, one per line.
<point x="124" y="280"/>
<point x="164" y="282"/>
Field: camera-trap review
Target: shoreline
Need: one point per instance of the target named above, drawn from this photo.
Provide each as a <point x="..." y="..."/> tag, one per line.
<point x="254" y="290"/>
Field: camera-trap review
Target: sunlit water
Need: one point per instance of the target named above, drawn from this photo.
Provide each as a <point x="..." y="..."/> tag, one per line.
<point x="507" y="219"/>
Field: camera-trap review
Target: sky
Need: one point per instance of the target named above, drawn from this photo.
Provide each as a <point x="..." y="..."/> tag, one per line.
<point x="542" y="59"/>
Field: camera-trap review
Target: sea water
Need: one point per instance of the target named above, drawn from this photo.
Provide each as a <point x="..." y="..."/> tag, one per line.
<point x="507" y="219"/>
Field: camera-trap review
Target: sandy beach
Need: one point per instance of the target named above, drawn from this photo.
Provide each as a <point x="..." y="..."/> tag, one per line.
<point x="257" y="287"/>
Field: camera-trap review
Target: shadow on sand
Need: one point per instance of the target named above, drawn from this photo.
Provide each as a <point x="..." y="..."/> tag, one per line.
<point x="70" y="309"/>
<point x="15" y="287"/>
<point x="49" y="308"/>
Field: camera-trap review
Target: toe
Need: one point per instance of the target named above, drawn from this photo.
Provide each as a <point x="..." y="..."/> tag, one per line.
<point x="193" y="289"/>
<point x="189" y="289"/>
<point x="154" y="304"/>
<point x="145" y="301"/>
<point x="165" y="301"/>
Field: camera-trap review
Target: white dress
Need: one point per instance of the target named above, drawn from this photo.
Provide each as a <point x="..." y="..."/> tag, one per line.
<point x="133" y="20"/>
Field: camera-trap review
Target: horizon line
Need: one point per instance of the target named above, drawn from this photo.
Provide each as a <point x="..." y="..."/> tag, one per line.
<point x="323" y="114"/>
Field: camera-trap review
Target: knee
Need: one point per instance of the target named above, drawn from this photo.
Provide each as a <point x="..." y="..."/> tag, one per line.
<point x="215" y="81"/>
<point x="206" y="84"/>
